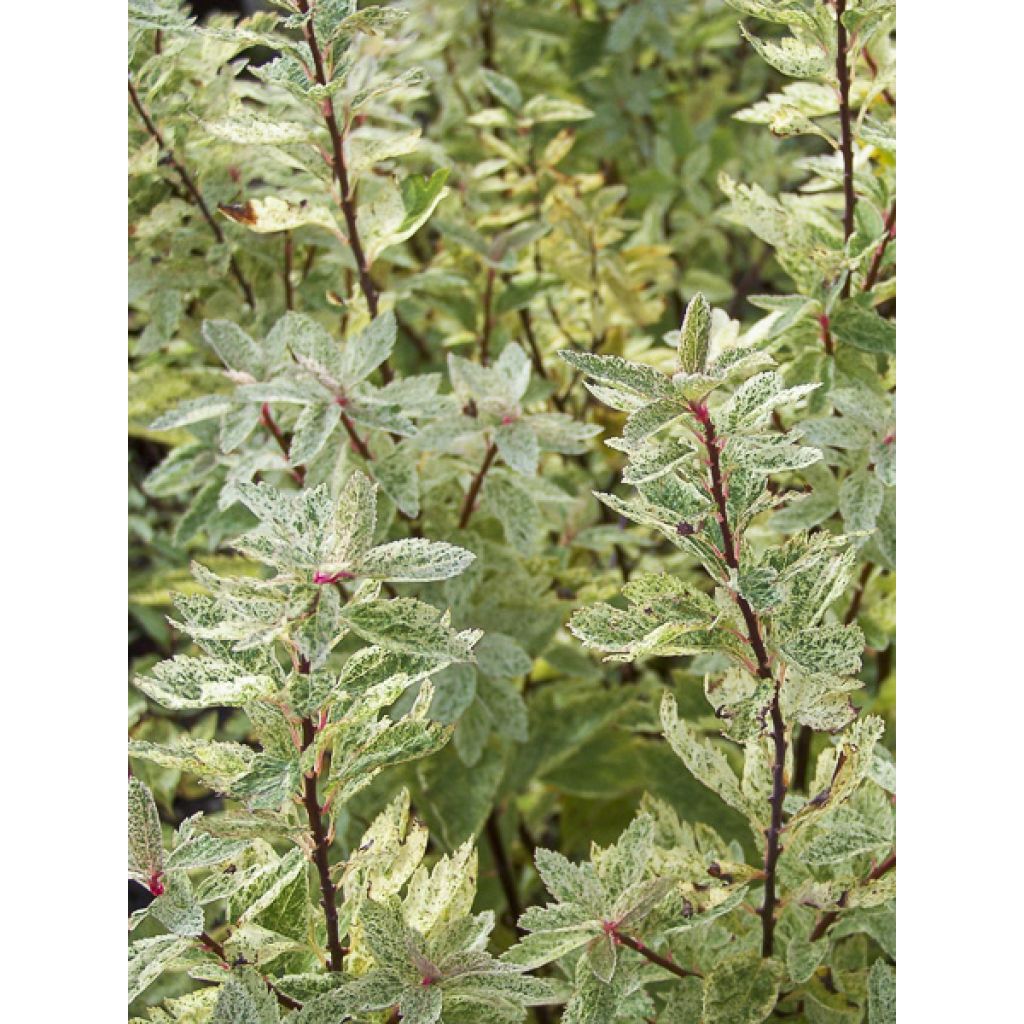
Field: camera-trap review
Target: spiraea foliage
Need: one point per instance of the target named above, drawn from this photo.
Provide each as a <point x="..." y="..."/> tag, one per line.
<point x="512" y="512"/>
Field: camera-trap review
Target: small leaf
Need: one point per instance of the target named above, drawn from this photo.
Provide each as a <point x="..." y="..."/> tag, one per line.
<point x="695" y="335"/>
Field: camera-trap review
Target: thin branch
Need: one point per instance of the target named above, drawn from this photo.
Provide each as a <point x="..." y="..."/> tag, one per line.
<point x="474" y="488"/>
<point x="191" y="188"/>
<point x="773" y="846"/>
<point x="876" y="260"/>
<point x="346" y="196"/>
<point x="846" y="130"/>
<point x="829" y="919"/>
<point x="289" y="291"/>
<point x="858" y="595"/>
<point x="655" y="958"/>
<point x="485" y="334"/>
<point x="298" y="473"/>
<point x="353" y="435"/>
<point x="492" y="830"/>
<point x="321" y="845"/>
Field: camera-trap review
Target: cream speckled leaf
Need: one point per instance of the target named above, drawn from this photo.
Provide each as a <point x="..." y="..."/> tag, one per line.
<point x="246" y="129"/>
<point x="444" y="892"/>
<point x="750" y="407"/>
<point x="408" y="626"/>
<point x="145" y="840"/>
<point x="186" y="683"/>
<point x="770" y="454"/>
<point x="176" y="908"/>
<point x="842" y="841"/>
<point x="706" y="762"/>
<point x="741" y="990"/>
<point x="365" y="351"/>
<point x="413" y="559"/>
<point x="355" y="519"/>
<point x="215" y="764"/>
<point x="268" y="885"/>
<point x="148" y="958"/>
<point x="636" y="377"/>
<point x="272" y="214"/>
<point x="506" y="497"/>
<point x="793" y="57"/>
<point x="518" y="446"/>
<point x="312" y="430"/>
<point x="234" y="347"/>
<point x="860" y="501"/>
<point x="832" y="648"/>
<point x="646" y="421"/>
<point x="194" y="410"/>
<point x="881" y="993"/>
<point x="245" y="999"/>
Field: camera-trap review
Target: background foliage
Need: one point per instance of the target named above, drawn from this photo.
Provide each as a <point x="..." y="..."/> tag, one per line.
<point x="407" y="290"/>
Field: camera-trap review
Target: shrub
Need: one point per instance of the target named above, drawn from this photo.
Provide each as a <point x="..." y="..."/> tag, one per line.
<point x="430" y="409"/>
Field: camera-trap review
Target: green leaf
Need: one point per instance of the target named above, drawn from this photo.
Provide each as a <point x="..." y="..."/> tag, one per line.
<point x="235" y="349"/>
<point x="369" y="348"/>
<point x="882" y="993"/>
<point x="857" y="324"/>
<point x="502" y="88"/>
<point x="312" y="430"/>
<point x="517" y="445"/>
<point x="394" y="216"/>
<point x="860" y="501"/>
<point x="695" y="335"/>
<point x="741" y="990"/>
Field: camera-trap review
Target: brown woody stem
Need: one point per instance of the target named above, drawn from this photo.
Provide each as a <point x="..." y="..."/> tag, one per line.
<point x="321" y="845"/>
<point x="845" y="127"/>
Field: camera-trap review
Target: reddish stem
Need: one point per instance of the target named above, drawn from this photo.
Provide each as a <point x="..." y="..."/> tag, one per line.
<point x="346" y="196"/>
<point x="773" y="846"/>
<point x="474" y="488"/>
<point x="846" y="129"/>
<point x="876" y="260"/>
<point x="655" y="958"/>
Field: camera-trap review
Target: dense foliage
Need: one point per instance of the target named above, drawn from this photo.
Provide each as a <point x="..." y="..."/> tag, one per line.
<point x="512" y="462"/>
